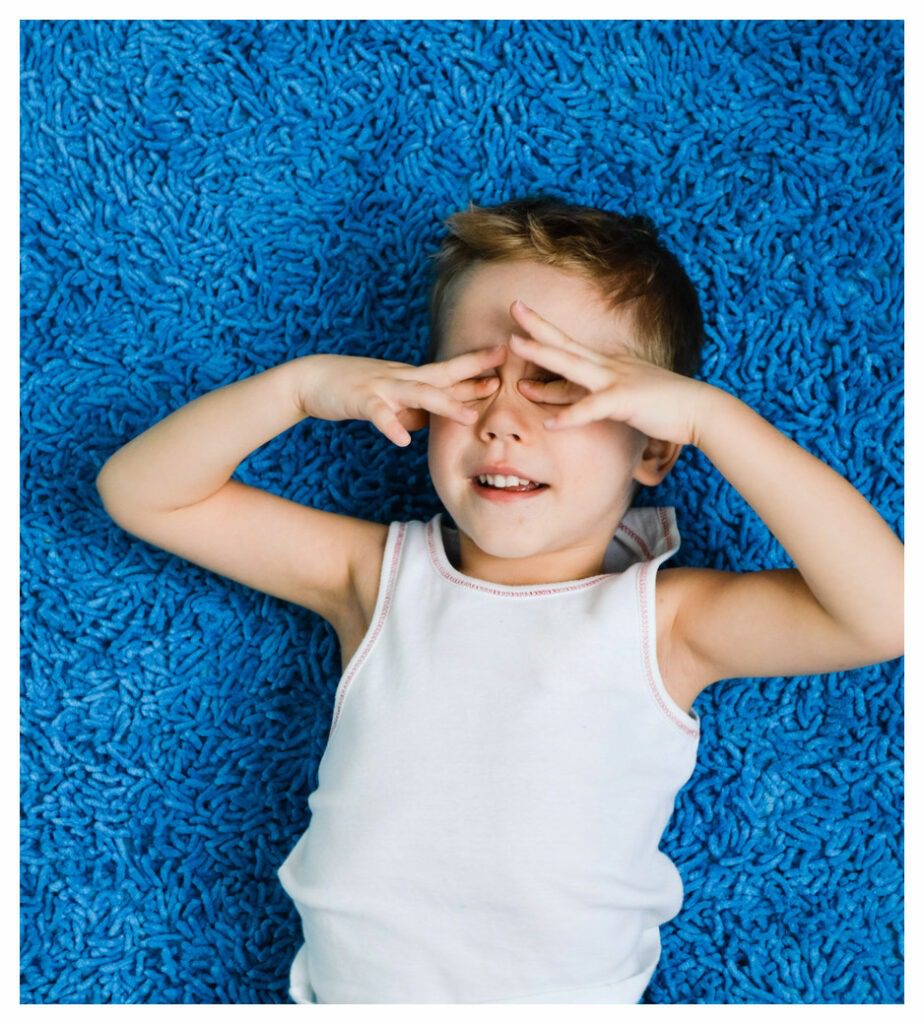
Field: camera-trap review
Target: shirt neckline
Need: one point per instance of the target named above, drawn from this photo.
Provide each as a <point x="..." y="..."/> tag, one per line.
<point x="441" y="563"/>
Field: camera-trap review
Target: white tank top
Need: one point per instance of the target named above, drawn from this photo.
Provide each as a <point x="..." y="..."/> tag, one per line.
<point x="501" y="765"/>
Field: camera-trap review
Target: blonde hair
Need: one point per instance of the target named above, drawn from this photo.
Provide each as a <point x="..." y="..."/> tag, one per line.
<point x="621" y="255"/>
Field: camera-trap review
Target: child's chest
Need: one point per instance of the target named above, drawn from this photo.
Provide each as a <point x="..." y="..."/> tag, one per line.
<point x="678" y="681"/>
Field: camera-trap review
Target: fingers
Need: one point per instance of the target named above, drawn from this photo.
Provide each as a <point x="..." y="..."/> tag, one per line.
<point x="383" y="417"/>
<point x="546" y="332"/>
<point x="552" y="392"/>
<point x="418" y="394"/>
<point x="469" y="390"/>
<point x="451" y="371"/>
<point x="445" y="396"/>
<point x="440" y="401"/>
<point x="589" y="373"/>
<point x="580" y="414"/>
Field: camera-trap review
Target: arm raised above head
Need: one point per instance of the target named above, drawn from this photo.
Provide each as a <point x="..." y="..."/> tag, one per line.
<point x="731" y="625"/>
<point x="172" y="486"/>
<point x="845" y="552"/>
<point x="842" y="606"/>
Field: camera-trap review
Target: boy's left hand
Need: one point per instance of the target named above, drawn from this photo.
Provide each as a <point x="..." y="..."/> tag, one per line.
<point x="657" y="402"/>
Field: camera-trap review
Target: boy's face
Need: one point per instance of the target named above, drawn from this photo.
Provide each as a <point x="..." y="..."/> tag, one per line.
<point x="559" y="532"/>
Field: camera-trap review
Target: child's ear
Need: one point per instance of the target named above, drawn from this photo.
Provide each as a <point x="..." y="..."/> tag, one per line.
<point x="656" y="461"/>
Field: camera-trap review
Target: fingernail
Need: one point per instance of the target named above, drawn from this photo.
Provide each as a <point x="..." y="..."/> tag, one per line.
<point x="521" y="305"/>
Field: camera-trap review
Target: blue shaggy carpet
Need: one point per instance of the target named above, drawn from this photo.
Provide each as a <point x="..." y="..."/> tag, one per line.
<point x="201" y="200"/>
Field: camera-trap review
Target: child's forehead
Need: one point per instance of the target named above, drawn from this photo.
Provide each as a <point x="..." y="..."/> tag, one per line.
<point x="483" y="328"/>
<point x="479" y="314"/>
<point x="492" y="287"/>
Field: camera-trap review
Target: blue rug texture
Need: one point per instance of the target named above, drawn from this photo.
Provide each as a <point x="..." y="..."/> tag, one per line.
<point x="202" y="200"/>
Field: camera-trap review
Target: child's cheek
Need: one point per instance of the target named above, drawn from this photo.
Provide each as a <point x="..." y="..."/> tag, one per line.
<point x="444" y="435"/>
<point x="441" y="427"/>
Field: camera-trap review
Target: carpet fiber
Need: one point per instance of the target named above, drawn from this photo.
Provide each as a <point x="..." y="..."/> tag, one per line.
<point x="203" y="200"/>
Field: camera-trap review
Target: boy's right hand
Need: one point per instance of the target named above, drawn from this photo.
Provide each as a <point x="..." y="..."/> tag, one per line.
<point x="394" y="397"/>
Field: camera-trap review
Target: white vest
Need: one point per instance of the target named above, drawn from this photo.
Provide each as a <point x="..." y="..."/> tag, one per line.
<point x="501" y="765"/>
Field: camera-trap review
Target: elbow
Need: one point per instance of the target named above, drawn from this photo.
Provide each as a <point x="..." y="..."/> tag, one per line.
<point x="893" y="647"/>
<point x="101" y="479"/>
<point x="897" y="645"/>
<point x="898" y="650"/>
<point x="888" y="637"/>
<point x="100" y="484"/>
<point x="107" y="491"/>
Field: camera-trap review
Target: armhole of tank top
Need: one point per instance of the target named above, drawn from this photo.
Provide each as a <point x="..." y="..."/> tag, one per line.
<point x="388" y="574"/>
<point x="688" y="724"/>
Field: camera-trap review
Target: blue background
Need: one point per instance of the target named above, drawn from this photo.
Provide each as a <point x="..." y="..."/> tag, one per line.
<point x="203" y="200"/>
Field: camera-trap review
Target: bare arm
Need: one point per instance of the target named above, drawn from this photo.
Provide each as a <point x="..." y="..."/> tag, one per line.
<point x="172" y="485"/>
<point x="841" y="607"/>
<point x="848" y="556"/>
<point x="190" y="454"/>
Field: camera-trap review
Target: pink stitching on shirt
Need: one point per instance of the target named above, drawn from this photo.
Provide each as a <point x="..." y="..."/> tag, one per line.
<point x="460" y="581"/>
<point x="589" y="582"/>
<point x="646" y="638"/>
<point x="371" y="637"/>
<point x="637" y="538"/>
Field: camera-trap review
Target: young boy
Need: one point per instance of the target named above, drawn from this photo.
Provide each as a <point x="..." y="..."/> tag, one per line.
<point x="514" y="719"/>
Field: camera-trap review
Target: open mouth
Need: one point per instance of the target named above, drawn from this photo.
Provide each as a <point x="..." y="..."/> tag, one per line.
<point x="487" y="490"/>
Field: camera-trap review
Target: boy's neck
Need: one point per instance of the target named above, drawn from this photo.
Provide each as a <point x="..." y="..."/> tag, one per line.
<point x="557" y="567"/>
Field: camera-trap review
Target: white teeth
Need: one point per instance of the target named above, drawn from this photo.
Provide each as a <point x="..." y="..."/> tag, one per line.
<point x="504" y="481"/>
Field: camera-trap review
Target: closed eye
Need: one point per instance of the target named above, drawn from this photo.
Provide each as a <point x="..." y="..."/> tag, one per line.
<point x="544" y="379"/>
<point x="547" y="378"/>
